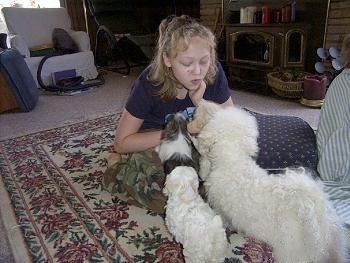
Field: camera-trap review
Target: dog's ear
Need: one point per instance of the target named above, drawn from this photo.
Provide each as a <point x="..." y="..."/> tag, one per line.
<point x="204" y="112"/>
<point x="182" y="181"/>
<point x="195" y="126"/>
<point x="168" y="186"/>
<point x="205" y="141"/>
<point x="180" y="187"/>
<point x="172" y="184"/>
<point x="194" y="183"/>
<point x="189" y="187"/>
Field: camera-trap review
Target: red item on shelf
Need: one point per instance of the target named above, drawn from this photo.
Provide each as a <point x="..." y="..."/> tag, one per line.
<point x="266" y="15"/>
<point x="285" y="14"/>
<point x="288" y="13"/>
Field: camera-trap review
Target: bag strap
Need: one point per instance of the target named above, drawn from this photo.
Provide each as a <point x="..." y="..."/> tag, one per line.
<point x="74" y="86"/>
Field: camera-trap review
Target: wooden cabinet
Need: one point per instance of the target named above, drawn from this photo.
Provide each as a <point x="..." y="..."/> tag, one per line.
<point x="252" y="50"/>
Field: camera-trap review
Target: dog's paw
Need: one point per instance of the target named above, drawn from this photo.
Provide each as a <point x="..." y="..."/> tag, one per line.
<point x="193" y="127"/>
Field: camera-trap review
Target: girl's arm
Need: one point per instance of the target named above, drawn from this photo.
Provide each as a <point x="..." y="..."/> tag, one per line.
<point x="128" y="138"/>
<point x="197" y="95"/>
<point x="227" y="103"/>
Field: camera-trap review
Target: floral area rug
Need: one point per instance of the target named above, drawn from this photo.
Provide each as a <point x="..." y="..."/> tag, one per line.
<point x="53" y="181"/>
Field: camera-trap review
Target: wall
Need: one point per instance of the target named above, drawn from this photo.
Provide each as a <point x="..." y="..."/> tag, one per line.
<point x="338" y="23"/>
<point x="210" y="13"/>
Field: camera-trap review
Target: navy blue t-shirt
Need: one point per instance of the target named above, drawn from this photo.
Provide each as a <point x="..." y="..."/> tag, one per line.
<point x="144" y="104"/>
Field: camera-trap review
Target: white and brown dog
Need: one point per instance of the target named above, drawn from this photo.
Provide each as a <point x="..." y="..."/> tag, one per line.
<point x="289" y="211"/>
<point x="192" y="222"/>
<point x="176" y="146"/>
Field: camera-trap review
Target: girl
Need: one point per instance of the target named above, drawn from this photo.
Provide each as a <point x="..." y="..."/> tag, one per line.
<point x="184" y="71"/>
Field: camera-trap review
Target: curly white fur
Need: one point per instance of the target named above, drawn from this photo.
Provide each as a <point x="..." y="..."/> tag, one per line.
<point x="193" y="223"/>
<point x="289" y="211"/>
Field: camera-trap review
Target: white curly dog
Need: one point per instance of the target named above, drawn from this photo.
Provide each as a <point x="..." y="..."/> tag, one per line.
<point x="289" y="211"/>
<point x="192" y="222"/>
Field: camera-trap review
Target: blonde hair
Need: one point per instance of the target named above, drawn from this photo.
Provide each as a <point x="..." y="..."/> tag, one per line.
<point x="175" y="34"/>
<point x="345" y="50"/>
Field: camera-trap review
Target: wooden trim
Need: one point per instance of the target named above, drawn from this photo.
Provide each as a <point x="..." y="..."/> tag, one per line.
<point x="75" y="9"/>
<point x="7" y="100"/>
<point x="326" y="25"/>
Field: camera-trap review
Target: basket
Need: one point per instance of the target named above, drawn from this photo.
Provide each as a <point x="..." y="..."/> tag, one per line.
<point x="285" y="89"/>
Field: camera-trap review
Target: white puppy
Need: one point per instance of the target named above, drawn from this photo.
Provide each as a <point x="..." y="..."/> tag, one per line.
<point x="192" y="222"/>
<point x="289" y="211"/>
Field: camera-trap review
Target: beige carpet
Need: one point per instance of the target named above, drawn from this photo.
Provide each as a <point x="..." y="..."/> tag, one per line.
<point x="55" y="111"/>
<point x="54" y="197"/>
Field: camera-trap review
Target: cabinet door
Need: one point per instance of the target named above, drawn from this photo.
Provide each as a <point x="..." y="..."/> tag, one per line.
<point x="294" y="44"/>
<point x="251" y="46"/>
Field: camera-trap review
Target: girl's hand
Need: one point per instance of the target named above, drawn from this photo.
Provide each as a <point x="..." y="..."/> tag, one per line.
<point x="197" y="95"/>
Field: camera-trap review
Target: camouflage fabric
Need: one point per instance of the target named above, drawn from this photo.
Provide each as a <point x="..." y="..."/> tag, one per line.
<point x="140" y="176"/>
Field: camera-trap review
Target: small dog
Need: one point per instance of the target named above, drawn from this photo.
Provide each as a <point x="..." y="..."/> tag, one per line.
<point x="176" y="146"/>
<point x="289" y="211"/>
<point x="192" y="222"/>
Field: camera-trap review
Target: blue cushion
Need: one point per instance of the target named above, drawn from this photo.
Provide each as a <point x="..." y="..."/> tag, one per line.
<point x="285" y="141"/>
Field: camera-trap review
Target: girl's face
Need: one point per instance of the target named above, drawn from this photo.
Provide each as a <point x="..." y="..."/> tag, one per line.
<point x="190" y="66"/>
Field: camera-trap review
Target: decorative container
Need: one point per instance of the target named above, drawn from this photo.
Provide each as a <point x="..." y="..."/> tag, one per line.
<point x="287" y="84"/>
<point x="314" y="90"/>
